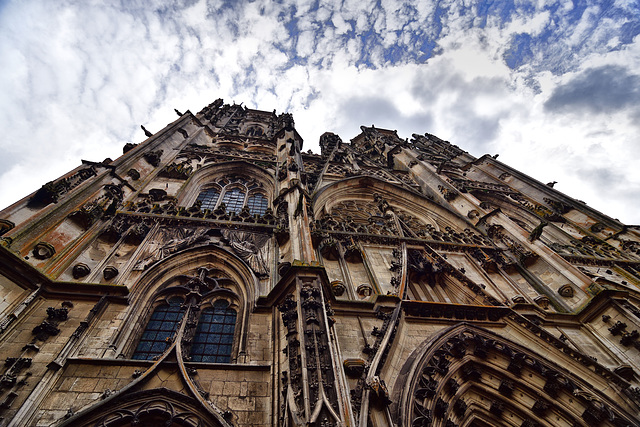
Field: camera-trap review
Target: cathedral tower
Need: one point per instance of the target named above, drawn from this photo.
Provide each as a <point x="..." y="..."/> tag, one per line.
<point x="217" y="275"/>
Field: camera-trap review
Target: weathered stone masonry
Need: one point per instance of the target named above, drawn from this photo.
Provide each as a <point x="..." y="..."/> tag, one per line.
<point x="217" y="275"/>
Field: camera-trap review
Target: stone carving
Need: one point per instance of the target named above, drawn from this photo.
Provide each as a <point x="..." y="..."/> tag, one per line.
<point x="354" y="368"/>
<point x="566" y="291"/>
<point x="146" y="132"/>
<point x="617" y="328"/>
<point x="426" y="403"/>
<point x="53" y="190"/>
<point x="558" y="207"/>
<point x="448" y="194"/>
<point x="128" y="147"/>
<point x="177" y="170"/>
<point x="364" y="291"/>
<point x="153" y="157"/>
<point x="328" y="143"/>
<point x="288" y="309"/>
<point x="49" y="327"/>
<point x="57" y="314"/>
<point x="319" y="388"/>
<point x="43" y="250"/>
<point x="5" y="226"/>
<point x="285" y="121"/>
<point x="542" y="301"/>
<point x="173" y="240"/>
<point x="465" y="185"/>
<point x="253" y="248"/>
<point x="88" y="214"/>
<point x="134" y="174"/>
<point x="380" y="392"/>
<point x="338" y="287"/>
<point x="537" y="232"/>
<point x="104" y="205"/>
<point x="109" y="273"/>
<point x="14" y="366"/>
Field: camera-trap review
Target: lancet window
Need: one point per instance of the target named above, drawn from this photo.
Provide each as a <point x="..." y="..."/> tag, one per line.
<point x="209" y="198"/>
<point x="160" y="329"/>
<point x="209" y="321"/>
<point x="213" y="340"/>
<point x="235" y="193"/>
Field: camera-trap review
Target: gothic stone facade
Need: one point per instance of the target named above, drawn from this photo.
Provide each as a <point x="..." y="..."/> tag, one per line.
<point x="217" y="275"/>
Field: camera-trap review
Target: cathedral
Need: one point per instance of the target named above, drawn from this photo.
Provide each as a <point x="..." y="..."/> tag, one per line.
<point x="216" y="274"/>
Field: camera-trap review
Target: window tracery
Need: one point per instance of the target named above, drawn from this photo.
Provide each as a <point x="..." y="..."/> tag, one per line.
<point x="209" y="320"/>
<point x="235" y="193"/>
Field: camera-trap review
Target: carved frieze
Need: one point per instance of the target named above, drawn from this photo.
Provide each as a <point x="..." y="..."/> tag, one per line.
<point x="466" y="185"/>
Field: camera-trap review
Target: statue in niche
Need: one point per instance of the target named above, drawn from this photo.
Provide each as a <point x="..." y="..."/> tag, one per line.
<point x="251" y="247"/>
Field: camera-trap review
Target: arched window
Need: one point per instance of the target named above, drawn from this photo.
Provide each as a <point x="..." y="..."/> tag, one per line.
<point x="257" y="204"/>
<point x="213" y="340"/>
<point x="254" y="130"/>
<point x="209" y="198"/>
<point x="234" y="200"/>
<point x="232" y="191"/>
<point x="160" y="330"/>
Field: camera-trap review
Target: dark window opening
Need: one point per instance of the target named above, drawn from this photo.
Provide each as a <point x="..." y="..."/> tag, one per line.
<point x="257" y="204"/>
<point x="160" y="330"/>
<point x="209" y="198"/>
<point x="213" y="340"/>
<point x="234" y="200"/>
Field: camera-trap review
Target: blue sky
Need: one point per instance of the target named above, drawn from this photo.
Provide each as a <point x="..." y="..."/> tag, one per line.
<point x="553" y="87"/>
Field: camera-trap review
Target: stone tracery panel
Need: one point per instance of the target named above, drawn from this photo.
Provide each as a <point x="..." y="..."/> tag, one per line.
<point x="469" y="373"/>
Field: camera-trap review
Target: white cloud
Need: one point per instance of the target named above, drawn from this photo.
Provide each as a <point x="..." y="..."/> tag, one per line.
<point x="82" y="78"/>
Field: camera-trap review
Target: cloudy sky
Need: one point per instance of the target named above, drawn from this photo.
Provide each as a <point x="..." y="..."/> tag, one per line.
<point x="552" y="86"/>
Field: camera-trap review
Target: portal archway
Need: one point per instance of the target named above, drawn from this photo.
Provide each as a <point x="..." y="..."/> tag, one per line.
<point x="468" y="376"/>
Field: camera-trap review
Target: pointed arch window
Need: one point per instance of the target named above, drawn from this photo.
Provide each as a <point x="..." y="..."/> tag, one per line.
<point x="233" y="199"/>
<point x="233" y="192"/>
<point x="160" y="329"/>
<point x="213" y="340"/>
<point x="257" y="204"/>
<point x="208" y="198"/>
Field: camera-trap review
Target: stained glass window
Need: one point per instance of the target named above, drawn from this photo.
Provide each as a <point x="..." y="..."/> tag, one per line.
<point x="213" y="340"/>
<point x="257" y="204"/>
<point x="209" y="198"/>
<point x="160" y="330"/>
<point x="233" y="199"/>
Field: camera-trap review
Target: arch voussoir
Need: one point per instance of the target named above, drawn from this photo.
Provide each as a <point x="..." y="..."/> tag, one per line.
<point x="469" y="373"/>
